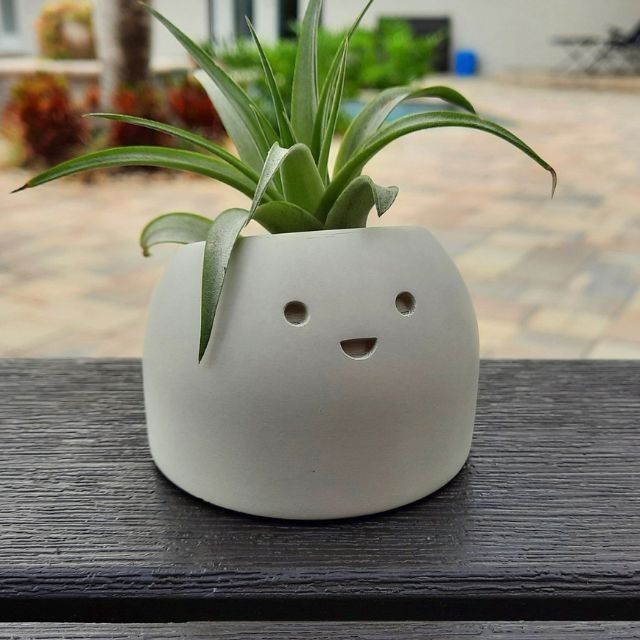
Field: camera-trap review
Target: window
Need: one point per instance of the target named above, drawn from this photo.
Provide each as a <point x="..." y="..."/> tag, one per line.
<point x="242" y="9"/>
<point x="288" y="18"/>
<point x="11" y="41"/>
<point x="8" y="20"/>
<point x="210" y="21"/>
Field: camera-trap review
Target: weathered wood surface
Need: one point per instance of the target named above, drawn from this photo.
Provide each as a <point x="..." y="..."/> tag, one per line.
<point x="326" y="631"/>
<point x="543" y="522"/>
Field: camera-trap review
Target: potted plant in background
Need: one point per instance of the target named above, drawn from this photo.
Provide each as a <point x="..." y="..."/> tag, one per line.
<point x="327" y="370"/>
<point x="65" y="30"/>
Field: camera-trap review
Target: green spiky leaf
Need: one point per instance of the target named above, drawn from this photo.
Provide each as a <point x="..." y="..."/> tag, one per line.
<point x="351" y="209"/>
<point x="180" y="228"/>
<point x="186" y="136"/>
<point x="302" y="183"/>
<point x="304" y="97"/>
<point x="221" y="239"/>
<point x="287" y="136"/>
<point x="419" y="122"/>
<point x="248" y="139"/>
<point x="324" y="103"/>
<point x="269" y="135"/>
<point x="334" y="104"/>
<point x="374" y="114"/>
<point x="285" y="217"/>
<point x="234" y="106"/>
<point x="300" y="178"/>
<point x="164" y="157"/>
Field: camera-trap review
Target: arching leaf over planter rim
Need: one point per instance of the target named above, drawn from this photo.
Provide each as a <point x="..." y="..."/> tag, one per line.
<point x="351" y="209"/>
<point x="221" y="239"/>
<point x="304" y="95"/>
<point x="179" y="228"/>
<point x="184" y="228"/>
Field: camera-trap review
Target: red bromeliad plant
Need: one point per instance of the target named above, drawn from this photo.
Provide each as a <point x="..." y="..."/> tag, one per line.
<point x="191" y="106"/>
<point x="143" y="101"/>
<point x="49" y="124"/>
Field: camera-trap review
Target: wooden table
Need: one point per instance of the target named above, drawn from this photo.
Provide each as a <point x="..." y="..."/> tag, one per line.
<point x="537" y="537"/>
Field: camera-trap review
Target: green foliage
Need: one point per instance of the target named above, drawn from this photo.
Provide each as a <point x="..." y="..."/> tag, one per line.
<point x="222" y="237"/>
<point x="304" y="90"/>
<point x="391" y="55"/>
<point x="163" y="157"/>
<point x="179" y="228"/>
<point x="283" y="166"/>
<point x="352" y="206"/>
<point x="378" y="58"/>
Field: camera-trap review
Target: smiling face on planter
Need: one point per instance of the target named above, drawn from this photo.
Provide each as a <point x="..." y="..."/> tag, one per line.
<point x="362" y="390"/>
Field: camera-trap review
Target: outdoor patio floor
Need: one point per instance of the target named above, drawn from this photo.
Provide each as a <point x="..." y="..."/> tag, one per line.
<point x="549" y="278"/>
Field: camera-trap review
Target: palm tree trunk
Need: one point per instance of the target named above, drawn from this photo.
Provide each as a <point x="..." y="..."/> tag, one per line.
<point x="123" y="35"/>
<point x="134" y="42"/>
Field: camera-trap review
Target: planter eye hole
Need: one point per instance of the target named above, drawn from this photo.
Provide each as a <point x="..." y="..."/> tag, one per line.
<point x="405" y="303"/>
<point x="296" y="313"/>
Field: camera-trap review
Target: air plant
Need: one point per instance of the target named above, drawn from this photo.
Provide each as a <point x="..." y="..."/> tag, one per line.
<point x="283" y="169"/>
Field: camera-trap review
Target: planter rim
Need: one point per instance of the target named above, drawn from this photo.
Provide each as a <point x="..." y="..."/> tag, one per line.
<point x="328" y="233"/>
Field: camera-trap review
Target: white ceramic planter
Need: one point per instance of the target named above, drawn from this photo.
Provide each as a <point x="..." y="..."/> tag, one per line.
<point x="358" y="408"/>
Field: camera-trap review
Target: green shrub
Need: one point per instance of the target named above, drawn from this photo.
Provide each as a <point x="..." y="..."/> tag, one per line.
<point x="384" y="57"/>
<point x="391" y="55"/>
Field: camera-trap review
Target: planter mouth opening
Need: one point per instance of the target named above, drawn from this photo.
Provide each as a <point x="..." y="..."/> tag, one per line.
<point x="359" y="348"/>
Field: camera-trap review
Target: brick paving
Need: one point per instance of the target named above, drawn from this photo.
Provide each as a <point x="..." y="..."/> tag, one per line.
<point x="549" y="278"/>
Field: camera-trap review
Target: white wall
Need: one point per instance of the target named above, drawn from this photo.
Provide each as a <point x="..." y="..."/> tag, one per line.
<point x="506" y="34"/>
<point x="189" y="15"/>
<point x="192" y="15"/>
<point x="27" y="12"/>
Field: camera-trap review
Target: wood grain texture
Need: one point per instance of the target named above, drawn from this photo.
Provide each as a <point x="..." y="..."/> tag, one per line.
<point x="543" y="522"/>
<point x="325" y="631"/>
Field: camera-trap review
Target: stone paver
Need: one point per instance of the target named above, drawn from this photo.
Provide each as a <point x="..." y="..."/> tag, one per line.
<point x="550" y="278"/>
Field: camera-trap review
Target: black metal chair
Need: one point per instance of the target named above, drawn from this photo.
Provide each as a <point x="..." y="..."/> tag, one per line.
<point x="620" y="51"/>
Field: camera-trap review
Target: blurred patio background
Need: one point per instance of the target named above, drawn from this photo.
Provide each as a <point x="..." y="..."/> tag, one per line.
<point x="550" y="278"/>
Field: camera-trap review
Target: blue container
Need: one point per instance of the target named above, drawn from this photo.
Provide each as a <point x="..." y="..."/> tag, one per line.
<point x="466" y="62"/>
